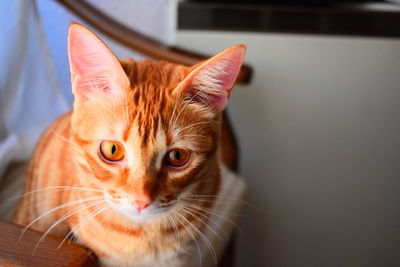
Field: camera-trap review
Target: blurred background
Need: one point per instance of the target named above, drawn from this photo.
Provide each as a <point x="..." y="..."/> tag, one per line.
<point x="318" y="125"/>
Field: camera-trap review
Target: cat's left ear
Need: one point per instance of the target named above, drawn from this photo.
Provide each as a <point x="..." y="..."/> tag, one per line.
<point x="211" y="81"/>
<point x="94" y="68"/>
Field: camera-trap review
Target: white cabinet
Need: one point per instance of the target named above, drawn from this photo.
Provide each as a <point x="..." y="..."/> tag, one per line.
<point x="319" y="132"/>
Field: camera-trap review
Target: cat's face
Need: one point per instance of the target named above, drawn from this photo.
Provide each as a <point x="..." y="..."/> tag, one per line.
<point x="148" y="147"/>
<point x="147" y="133"/>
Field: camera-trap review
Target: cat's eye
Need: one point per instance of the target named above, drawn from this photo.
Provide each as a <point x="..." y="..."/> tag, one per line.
<point x="178" y="157"/>
<point x="111" y="150"/>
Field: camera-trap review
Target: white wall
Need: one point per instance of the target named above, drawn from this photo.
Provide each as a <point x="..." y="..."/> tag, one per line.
<point x="319" y="130"/>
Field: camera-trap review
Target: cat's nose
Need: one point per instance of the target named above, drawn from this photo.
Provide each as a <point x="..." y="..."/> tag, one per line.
<point x="141" y="204"/>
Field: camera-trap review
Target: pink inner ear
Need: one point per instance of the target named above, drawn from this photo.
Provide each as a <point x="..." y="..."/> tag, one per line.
<point x="229" y="75"/>
<point x="216" y="77"/>
<point x="228" y="78"/>
<point x="87" y="52"/>
<point x="93" y="66"/>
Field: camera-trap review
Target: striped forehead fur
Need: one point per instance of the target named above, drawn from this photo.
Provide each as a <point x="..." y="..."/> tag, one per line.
<point x="151" y="85"/>
<point x="153" y="93"/>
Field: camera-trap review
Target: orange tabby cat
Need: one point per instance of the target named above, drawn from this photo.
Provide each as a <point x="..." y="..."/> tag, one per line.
<point x="124" y="172"/>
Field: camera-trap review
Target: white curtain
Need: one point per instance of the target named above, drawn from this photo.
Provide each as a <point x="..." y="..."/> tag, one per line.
<point x="30" y="97"/>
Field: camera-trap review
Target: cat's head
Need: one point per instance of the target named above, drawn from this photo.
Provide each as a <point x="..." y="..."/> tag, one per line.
<point x="147" y="133"/>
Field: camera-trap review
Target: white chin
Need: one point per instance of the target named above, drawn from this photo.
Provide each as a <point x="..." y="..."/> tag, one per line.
<point x="139" y="217"/>
<point x="133" y="214"/>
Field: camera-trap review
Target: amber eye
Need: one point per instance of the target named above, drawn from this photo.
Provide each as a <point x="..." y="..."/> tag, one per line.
<point x="178" y="157"/>
<point x="111" y="150"/>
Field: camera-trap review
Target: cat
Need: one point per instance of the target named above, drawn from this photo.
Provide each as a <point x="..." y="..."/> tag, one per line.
<point x="127" y="170"/>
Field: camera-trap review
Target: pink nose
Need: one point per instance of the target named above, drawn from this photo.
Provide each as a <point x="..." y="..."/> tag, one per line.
<point x="140" y="204"/>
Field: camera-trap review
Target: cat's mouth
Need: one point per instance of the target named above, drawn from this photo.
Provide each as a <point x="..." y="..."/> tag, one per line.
<point x="150" y="212"/>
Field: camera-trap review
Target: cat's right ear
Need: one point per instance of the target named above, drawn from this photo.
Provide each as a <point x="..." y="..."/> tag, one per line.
<point x="94" y="68"/>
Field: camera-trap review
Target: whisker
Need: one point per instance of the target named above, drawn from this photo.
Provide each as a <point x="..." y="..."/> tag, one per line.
<point x="74" y="146"/>
<point x="221" y="212"/>
<point x="190" y="212"/>
<point x="197" y="123"/>
<point x="192" y="235"/>
<point x="60" y="136"/>
<point x="55" y="209"/>
<point x="176" y="232"/>
<point x="205" y="239"/>
<point x="58" y="188"/>
<point x="212" y="212"/>
<point x="77" y="228"/>
<point x="209" y="219"/>
<point x="66" y="216"/>
<point x="186" y="105"/>
<point x="105" y="216"/>
<point x="173" y="225"/>
<point x="193" y="196"/>
<point x="173" y="113"/>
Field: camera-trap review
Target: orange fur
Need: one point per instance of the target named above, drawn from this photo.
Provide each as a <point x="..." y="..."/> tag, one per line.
<point x="154" y="112"/>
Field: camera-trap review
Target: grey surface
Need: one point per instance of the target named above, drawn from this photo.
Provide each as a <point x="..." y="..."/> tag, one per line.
<point x="319" y="130"/>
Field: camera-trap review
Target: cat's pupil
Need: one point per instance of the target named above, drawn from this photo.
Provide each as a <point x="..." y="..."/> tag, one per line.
<point x="178" y="155"/>
<point x="113" y="149"/>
